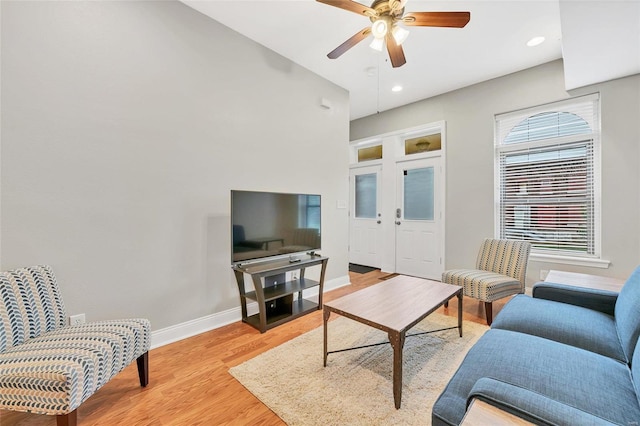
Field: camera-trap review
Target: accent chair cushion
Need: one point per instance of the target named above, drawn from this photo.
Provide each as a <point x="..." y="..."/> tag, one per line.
<point x="483" y="285"/>
<point x="53" y="374"/>
<point x="505" y="257"/>
<point x="30" y="304"/>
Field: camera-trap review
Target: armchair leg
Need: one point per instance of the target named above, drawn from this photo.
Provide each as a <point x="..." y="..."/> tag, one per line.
<point x="70" y="419"/>
<point x="143" y="369"/>
<point x="488" y="308"/>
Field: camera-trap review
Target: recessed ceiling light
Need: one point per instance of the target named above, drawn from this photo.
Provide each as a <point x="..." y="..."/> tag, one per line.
<point x="535" y="41"/>
<point x="396" y="88"/>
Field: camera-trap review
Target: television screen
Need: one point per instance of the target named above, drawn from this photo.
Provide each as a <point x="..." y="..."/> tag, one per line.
<point x="265" y="224"/>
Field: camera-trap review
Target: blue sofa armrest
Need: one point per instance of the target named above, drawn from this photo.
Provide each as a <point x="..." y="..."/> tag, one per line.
<point x="598" y="300"/>
<point x="529" y="405"/>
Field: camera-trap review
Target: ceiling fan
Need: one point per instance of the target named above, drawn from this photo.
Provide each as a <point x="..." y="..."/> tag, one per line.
<point x="386" y="17"/>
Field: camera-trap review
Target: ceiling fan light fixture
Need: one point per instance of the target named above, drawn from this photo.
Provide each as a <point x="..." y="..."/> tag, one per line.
<point x="377" y="44"/>
<point x="379" y="28"/>
<point x="399" y="34"/>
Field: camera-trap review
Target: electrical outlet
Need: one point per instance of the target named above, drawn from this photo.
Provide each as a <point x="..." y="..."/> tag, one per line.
<point x="294" y="275"/>
<point x="77" y="319"/>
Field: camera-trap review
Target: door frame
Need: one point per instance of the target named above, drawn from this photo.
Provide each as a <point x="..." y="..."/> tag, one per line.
<point x="393" y="153"/>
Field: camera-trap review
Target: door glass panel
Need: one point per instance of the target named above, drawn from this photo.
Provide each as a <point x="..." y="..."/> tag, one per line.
<point x="418" y="194"/>
<point x="366" y="193"/>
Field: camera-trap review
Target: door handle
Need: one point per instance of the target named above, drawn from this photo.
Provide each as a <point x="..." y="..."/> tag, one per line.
<point x="379" y="222"/>
<point x="398" y="222"/>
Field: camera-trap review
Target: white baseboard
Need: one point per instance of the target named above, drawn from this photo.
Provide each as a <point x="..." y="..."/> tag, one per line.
<point x="196" y="326"/>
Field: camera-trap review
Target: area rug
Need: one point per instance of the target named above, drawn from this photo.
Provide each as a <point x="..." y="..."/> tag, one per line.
<point x="356" y="386"/>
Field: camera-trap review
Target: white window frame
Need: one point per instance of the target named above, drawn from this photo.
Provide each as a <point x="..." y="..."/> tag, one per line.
<point x="500" y="133"/>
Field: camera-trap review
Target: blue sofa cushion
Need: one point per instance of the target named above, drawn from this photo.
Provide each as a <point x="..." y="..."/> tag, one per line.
<point x="592" y="383"/>
<point x="635" y="369"/>
<point x="574" y="325"/>
<point x="626" y="313"/>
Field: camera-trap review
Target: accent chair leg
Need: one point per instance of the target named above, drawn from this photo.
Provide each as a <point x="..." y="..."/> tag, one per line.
<point x="143" y="369"/>
<point x="70" y="419"/>
<point x="488" y="308"/>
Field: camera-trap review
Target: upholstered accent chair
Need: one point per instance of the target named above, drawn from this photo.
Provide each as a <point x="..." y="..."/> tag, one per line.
<point x="501" y="268"/>
<point x="48" y="367"/>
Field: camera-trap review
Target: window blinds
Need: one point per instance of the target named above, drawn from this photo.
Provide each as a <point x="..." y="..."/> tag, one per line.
<point x="547" y="180"/>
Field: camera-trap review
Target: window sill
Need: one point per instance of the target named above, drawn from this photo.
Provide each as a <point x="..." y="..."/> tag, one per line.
<point x="569" y="260"/>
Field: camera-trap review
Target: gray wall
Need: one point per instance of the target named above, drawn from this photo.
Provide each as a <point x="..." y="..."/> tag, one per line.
<point x="124" y="127"/>
<point x="469" y="115"/>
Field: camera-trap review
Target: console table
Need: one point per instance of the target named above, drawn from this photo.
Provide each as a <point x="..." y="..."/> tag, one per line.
<point x="274" y="294"/>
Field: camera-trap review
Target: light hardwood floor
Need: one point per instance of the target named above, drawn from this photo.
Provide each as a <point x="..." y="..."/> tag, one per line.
<point x="189" y="383"/>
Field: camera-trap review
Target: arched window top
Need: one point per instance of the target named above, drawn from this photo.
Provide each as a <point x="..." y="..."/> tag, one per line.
<point x="548" y="125"/>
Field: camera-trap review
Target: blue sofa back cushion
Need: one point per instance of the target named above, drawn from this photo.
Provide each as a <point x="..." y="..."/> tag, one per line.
<point x="626" y="313"/>
<point x="597" y="385"/>
<point x="565" y="323"/>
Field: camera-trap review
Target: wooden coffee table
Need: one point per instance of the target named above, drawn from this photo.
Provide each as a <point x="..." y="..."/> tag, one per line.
<point x="394" y="306"/>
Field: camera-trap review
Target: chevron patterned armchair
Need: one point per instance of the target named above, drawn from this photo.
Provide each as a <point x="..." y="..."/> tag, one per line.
<point x="47" y="367"/>
<point x="501" y="268"/>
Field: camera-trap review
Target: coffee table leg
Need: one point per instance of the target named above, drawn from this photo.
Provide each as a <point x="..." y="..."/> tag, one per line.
<point x="325" y="317"/>
<point x="460" y="313"/>
<point x="397" y="342"/>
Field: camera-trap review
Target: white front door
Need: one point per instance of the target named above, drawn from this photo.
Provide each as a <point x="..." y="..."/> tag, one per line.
<point x="365" y="230"/>
<point x="418" y="218"/>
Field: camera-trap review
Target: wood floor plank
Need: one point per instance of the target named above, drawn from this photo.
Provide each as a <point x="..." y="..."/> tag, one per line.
<point x="189" y="380"/>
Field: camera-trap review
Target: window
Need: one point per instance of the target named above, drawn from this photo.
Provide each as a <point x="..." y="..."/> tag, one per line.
<point x="547" y="179"/>
<point x="418" y="194"/>
<point x="366" y="196"/>
<point x="309" y="211"/>
<point x="370" y="153"/>
<point x="423" y="144"/>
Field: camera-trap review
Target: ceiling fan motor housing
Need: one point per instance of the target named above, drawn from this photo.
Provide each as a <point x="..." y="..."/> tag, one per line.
<point x="384" y="8"/>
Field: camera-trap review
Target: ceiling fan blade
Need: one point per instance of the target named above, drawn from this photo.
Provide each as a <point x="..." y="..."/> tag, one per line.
<point x="396" y="54"/>
<point x="351" y="6"/>
<point x="437" y="19"/>
<point x="355" y="39"/>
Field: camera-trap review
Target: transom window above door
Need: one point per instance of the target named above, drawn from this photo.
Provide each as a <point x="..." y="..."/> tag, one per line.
<point x="370" y="153"/>
<point x="421" y="144"/>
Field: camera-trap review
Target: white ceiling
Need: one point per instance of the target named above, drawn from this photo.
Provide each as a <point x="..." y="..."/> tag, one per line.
<point x="438" y="59"/>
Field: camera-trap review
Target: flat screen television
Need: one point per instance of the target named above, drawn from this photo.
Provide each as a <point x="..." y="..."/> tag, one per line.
<point x="271" y="224"/>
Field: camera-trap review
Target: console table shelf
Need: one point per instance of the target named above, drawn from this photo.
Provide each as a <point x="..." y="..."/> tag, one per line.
<point x="274" y="295"/>
<point x="299" y="308"/>
<point x="278" y="290"/>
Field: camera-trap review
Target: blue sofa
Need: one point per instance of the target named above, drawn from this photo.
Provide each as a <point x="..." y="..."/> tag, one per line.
<point x="566" y="356"/>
